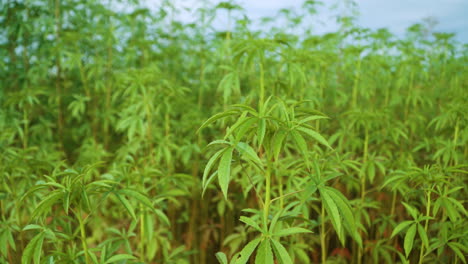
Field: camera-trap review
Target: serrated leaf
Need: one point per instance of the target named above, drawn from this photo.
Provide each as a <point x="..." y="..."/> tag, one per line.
<point x="216" y="117"/>
<point x="315" y="135"/>
<point x="250" y="222"/>
<point x="119" y="257"/>
<point x="281" y="253"/>
<point x="277" y="143"/>
<point x="209" y="165"/>
<point x="127" y="205"/>
<point x="346" y="213"/>
<point x="301" y="144"/>
<point x="247" y="251"/>
<point x="249" y="153"/>
<point x="261" y="129"/>
<point x="224" y="171"/>
<point x="221" y="257"/>
<point x="400" y="227"/>
<point x="413" y="212"/>
<point x="291" y="231"/>
<point x="47" y="203"/>
<point x="137" y="196"/>
<point x="32" y="251"/>
<point x="409" y="239"/>
<point x="423" y="235"/>
<point x="264" y="253"/>
<point x="332" y="211"/>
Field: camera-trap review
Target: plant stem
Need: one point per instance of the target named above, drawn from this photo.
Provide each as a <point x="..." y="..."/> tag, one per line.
<point x="262" y="85"/>
<point x="356" y="84"/>
<point x="428" y="210"/>
<point x="142" y="235"/>
<point x="323" y="236"/>
<point x="266" y="204"/>
<point x="83" y="236"/>
<point x="364" y="161"/>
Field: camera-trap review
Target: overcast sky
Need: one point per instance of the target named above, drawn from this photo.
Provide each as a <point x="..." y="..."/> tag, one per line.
<point x="396" y="15"/>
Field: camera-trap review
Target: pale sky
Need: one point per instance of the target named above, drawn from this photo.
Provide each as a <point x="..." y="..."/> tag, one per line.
<point x="396" y="15"/>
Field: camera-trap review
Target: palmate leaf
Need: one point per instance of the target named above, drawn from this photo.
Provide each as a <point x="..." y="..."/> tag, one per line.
<point x="224" y="171"/>
<point x="264" y="253"/>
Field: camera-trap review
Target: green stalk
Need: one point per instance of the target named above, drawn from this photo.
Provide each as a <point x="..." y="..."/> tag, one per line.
<point x="25" y="128"/>
<point x="58" y="88"/>
<point x="323" y="236"/>
<point x="262" y="85"/>
<point x="363" y="184"/>
<point x="364" y="161"/>
<point x="142" y="235"/>
<point x="455" y="136"/>
<point x="356" y="84"/>
<point x="83" y="236"/>
<point x="426" y="223"/>
<point x="266" y="204"/>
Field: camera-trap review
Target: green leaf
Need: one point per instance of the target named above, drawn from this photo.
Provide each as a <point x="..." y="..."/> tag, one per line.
<point x="281" y="253"/>
<point x="412" y="211"/>
<point x="423" y="235"/>
<point x="249" y="153"/>
<point x="301" y="144"/>
<point x="216" y="117"/>
<point x="162" y="216"/>
<point x="47" y="203"/>
<point x="313" y="134"/>
<point x="247" y="251"/>
<point x="127" y="205"/>
<point x="138" y="196"/>
<point x="400" y="227"/>
<point x="457" y="247"/>
<point x="32" y="252"/>
<point x="221" y="257"/>
<point x="224" y="171"/>
<point x="409" y="239"/>
<point x="264" y="253"/>
<point x="251" y="223"/>
<point x="119" y="257"/>
<point x="291" y="231"/>
<point x="332" y="211"/>
<point x="209" y="165"/>
<point x="275" y="220"/>
<point x="261" y="130"/>
<point x="346" y="212"/>
<point x="277" y="143"/>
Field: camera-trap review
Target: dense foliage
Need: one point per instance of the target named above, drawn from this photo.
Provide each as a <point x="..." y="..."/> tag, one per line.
<point x="131" y="137"/>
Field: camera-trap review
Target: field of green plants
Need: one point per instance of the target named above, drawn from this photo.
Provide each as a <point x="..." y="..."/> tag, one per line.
<point x="132" y="137"/>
